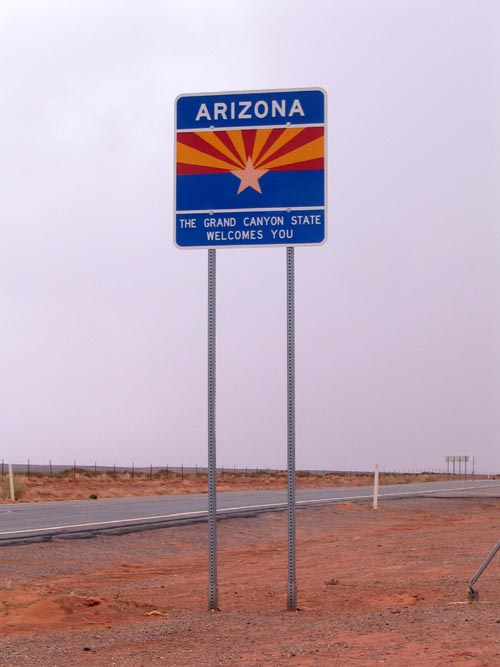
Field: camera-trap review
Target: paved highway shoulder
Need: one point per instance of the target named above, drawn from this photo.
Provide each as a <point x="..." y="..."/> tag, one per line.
<point x="34" y="522"/>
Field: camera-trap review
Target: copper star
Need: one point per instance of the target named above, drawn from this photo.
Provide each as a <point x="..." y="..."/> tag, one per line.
<point x="249" y="176"/>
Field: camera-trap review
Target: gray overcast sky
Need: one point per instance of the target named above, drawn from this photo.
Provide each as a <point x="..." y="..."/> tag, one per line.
<point x="103" y="320"/>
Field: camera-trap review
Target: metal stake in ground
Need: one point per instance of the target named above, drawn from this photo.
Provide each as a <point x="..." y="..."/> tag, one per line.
<point x="212" y="467"/>
<point x="11" y="484"/>
<point x="290" y="326"/>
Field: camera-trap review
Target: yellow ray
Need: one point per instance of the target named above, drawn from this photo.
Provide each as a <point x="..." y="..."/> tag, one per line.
<point x="260" y="139"/>
<point x="283" y="139"/>
<point x="188" y="155"/>
<point x="237" y="139"/>
<point x="311" y="151"/>
<point x="213" y="139"/>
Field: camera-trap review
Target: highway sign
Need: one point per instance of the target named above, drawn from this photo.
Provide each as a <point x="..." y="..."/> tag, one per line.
<point x="250" y="169"/>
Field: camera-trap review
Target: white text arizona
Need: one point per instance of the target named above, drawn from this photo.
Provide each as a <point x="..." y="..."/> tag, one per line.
<point x="246" y="110"/>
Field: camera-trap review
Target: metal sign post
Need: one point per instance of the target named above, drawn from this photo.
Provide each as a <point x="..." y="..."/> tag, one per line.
<point x="459" y="460"/>
<point x="290" y="355"/>
<point x="213" y="602"/>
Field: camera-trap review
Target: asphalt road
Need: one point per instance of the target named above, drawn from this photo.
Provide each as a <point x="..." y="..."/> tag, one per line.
<point x="34" y="522"/>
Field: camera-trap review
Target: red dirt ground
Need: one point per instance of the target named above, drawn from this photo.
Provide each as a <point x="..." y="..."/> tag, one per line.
<point x="385" y="587"/>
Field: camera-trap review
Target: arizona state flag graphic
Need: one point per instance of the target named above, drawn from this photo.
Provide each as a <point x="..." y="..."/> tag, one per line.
<point x="250" y="169"/>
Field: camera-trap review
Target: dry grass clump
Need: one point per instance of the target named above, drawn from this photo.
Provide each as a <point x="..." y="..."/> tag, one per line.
<point x="19" y="487"/>
<point x="80" y="484"/>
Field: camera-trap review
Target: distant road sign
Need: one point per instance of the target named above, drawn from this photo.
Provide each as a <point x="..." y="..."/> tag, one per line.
<point x="250" y="169"/>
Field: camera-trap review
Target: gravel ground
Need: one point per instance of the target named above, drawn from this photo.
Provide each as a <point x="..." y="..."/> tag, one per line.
<point x="375" y="588"/>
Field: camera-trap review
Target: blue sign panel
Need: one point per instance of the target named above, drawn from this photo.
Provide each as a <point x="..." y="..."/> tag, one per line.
<point x="250" y="169"/>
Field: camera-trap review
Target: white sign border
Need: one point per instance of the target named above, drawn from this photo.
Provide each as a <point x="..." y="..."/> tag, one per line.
<point x="291" y="209"/>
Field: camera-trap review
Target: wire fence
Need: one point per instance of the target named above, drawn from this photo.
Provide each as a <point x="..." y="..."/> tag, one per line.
<point x="151" y="472"/>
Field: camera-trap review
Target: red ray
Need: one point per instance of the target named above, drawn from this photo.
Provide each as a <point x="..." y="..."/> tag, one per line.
<point x="226" y="140"/>
<point x="195" y="141"/>
<point x="192" y="169"/>
<point x="307" y="165"/>
<point x="277" y="132"/>
<point x="249" y="141"/>
<point x="307" y="135"/>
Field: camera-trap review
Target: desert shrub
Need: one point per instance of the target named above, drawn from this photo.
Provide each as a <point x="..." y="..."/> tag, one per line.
<point x="396" y="479"/>
<point x="75" y="473"/>
<point x="84" y="472"/>
<point x="19" y="487"/>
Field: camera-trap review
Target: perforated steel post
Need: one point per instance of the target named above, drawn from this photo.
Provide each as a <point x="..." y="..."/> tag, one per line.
<point x="290" y="327"/>
<point x="212" y="461"/>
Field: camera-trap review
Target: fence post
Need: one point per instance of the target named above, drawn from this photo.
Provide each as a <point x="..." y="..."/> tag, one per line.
<point x="11" y="484"/>
<point x="375" y="488"/>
